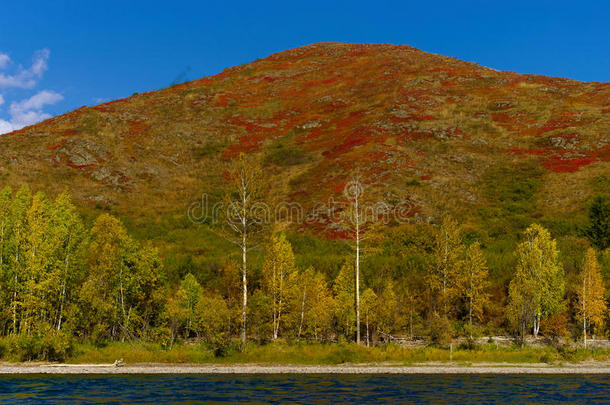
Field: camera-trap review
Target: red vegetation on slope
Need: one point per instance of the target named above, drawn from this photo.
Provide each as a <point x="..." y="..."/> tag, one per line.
<point x="558" y="164"/>
<point x="565" y="120"/>
<point x="561" y="161"/>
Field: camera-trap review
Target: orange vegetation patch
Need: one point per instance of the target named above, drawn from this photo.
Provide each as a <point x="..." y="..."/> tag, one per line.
<point x="137" y="128"/>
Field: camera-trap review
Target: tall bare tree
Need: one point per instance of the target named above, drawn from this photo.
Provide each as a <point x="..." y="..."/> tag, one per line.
<point x="245" y="215"/>
<point x="360" y="218"/>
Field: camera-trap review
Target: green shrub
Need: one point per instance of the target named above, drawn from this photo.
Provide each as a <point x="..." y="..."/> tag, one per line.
<point x="45" y="346"/>
<point x="281" y="156"/>
<point x="471" y="333"/>
<point x="441" y="331"/>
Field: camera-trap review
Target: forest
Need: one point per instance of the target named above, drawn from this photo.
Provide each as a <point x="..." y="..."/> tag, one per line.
<point x="66" y="279"/>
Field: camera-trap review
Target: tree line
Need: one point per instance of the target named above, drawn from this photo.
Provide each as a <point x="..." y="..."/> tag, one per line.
<point x="61" y="277"/>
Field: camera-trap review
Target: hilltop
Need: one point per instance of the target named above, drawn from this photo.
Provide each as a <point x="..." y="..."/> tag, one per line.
<point x="486" y="146"/>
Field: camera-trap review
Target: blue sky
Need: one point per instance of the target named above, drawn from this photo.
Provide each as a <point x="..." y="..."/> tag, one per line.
<point x="56" y="56"/>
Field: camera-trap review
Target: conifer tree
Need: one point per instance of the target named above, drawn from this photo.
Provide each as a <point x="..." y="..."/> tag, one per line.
<point x="598" y="230"/>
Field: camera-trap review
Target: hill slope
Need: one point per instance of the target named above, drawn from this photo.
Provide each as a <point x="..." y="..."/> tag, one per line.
<point x="449" y="135"/>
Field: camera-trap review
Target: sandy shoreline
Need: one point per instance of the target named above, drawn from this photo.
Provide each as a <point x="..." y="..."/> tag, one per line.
<point x="425" y="368"/>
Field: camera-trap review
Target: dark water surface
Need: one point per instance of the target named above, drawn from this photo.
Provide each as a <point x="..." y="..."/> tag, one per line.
<point x="334" y="388"/>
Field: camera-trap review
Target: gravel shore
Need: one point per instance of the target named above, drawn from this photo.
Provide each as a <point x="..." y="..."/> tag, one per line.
<point x="425" y="368"/>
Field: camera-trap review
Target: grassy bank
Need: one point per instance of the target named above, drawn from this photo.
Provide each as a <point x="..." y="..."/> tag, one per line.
<point x="327" y="354"/>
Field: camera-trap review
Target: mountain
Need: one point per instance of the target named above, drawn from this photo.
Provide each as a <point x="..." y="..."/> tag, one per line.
<point x="449" y="136"/>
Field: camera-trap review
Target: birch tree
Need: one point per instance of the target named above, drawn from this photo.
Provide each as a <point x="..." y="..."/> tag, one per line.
<point x="591" y="300"/>
<point x="278" y="269"/>
<point x="343" y="289"/>
<point x="444" y="273"/>
<point x="357" y="219"/>
<point x="369" y="304"/>
<point x="188" y="296"/>
<point x="17" y="246"/>
<point x="537" y="289"/>
<point x="245" y="215"/>
<point x="39" y="281"/>
<point x="311" y="304"/>
<point x="103" y="294"/>
<point x="6" y="196"/>
<point x="474" y="283"/>
<point x="69" y="239"/>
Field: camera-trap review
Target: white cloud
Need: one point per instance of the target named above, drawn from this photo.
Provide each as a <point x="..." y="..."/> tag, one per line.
<point x="6" y="127"/>
<point x="29" y="111"/>
<point x="37" y="101"/>
<point x="4" y="60"/>
<point x="25" y="78"/>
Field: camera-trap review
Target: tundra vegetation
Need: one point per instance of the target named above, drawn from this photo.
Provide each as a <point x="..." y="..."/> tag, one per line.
<point x="83" y="289"/>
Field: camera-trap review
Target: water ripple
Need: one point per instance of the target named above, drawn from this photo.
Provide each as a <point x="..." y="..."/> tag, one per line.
<point x="319" y="389"/>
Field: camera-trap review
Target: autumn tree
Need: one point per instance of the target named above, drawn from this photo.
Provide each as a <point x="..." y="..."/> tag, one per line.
<point x="6" y="196"/>
<point x="443" y="275"/>
<point x="277" y="275"/>
<point x="230" y="289"/>
<point x="591" y="291"/>
<point x="40" y="281"/>
<point x="343" y="289"/>
<point x="245" y="215"/>
<point x="473" y="283"/>
<point x="124" y="281"/>
<point x="359" y="217"/>
<point x="212" y="316"/>
<point x="188" y="296"/>
<point x="311" y="305"/>
<point x="369" y="306"/>
<point x="17" y="246"/>
<point x="536" y="291"/>
<point x="69" y="239"/>
<point x="386" y="310"/>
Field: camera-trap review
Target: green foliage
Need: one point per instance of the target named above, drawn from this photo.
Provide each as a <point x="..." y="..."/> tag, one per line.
<point x="207" y="149"/>
<point x="598" y="230"/>
<point x="43" y="346"/>
<point x="285" y="156"/>
<point x="511" y="192"/>
<point x="278" y="277"/>
<point x="212" y="320"/>
<point x="344" y="288"/>
<point x="441" y="330"/>
<point x="62" y="281"/>
<point x="536" y="291"/>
